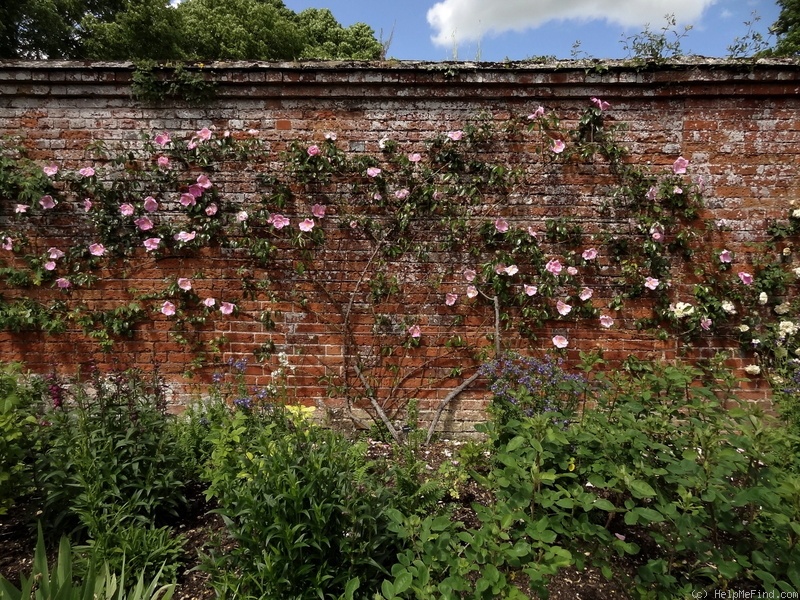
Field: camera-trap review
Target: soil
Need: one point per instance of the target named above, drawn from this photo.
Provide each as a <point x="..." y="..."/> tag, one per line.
<point x="200" y="527"/>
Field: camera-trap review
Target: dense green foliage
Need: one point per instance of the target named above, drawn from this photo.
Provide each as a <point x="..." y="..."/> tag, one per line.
<point x="787" y="28"/>
<point x="198" y="30"/>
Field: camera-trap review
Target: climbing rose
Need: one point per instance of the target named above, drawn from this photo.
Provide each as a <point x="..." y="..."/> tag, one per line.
<point x="450" y="299"/>
<point x="185" y="236"/>
<point x="530" y="290"/>
<point x="126" y="209"/>
<point x="601" y="104"/>
<point x="318" y="210"/>
<point x="306" y="225"/>
<point x="63" y="283"/>
<point x="331" y="135"/>
<point x="652" y="193"/>
<point x="456" y="135"/>
<point x="211" y="209"/>
<point x="21" y="208"/>
<point x="162" y="139"/>
<point x="572" y="270"/>
<point x="204" y="182"/>
<point x="162" y="162"/>
<point x="227" y="308"/>
<point x="168" y="308"/>
<point x="144" y="224"/>
<point x="560" y="341"/>
<point x="150" y="204"/>
<point x="188" y="200"/>
<point x="8" y="243"/>
<point x="415" y="157"/>
<point x="55" y="253"/>
<point x="501" y="225"/>
<point x="209" y="302"/>
<point x="87" y="172"/>
<point x="278" y="221"/>
<point x="50" y="169"/>
<point x="563" y="308"/>
<point x="373" y="171"/>
<point x="47" y="202"/>
<point x="589" y="254"/>
<point x="511" y="270"/>
<point x="313" y="150"/>
<point x="558" y="146"/>
<point x="242" y="216"/>
<point x="705" y="323"/>
<point x="539" y="112"/>
<point x="401" y="194"/>
<point x="185" y="283"/>
<point x="97" y="249"/>
<point x="606" y="321"/>
<point x="725" y="256"/>
<point x="553" y="266"/>
<point x="50" y="265"/>
<point x="414" y="331"/>
<point x="472" y="291"/>
<point x="151" y="244"/>
<point x="651" y="283"/>
<point x="746" y="278"/>
<point x="196" y="190"/>
<point x="585" y="294"/>
<point x="204" y="134"/>
<point x="469" y="274"/>
<point x="87" y="204"/>
<point x="679" y="166"/>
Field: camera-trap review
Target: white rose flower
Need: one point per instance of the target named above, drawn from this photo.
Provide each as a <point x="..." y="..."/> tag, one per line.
<point x="744" y="328"/>
<point x="796" y="213"/>
<point x="762" y="298"/>
<point x="728" y="307"/>
<point x="752" y="369"/>
<point x="782" y="308"/>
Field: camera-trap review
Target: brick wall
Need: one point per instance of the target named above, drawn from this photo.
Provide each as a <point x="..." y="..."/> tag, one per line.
<point x="738" y="124"/>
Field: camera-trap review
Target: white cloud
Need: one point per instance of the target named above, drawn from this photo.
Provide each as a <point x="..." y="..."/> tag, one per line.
<point x="457" y="21"/>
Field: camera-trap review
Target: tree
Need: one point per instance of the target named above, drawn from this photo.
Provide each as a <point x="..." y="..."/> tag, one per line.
<point x="787" y="28"/>
<point x="195" y="30"/>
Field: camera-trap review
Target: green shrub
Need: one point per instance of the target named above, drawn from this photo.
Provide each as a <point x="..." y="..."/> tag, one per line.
<point x="305" y="514"/>
<point x="98" y="582"/>
<point x="17" y="440"/>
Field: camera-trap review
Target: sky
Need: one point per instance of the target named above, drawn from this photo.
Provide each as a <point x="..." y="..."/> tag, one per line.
<point x="496" y="30"/>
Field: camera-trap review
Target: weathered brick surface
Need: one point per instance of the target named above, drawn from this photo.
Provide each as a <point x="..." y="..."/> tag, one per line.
<point x="738" y="124"/>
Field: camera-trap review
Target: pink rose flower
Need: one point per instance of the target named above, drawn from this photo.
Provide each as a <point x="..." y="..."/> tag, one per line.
<point x="87" y="172"/>
<point x="196" y="190"/>
<point x="185" y="283"/>
<point x="450" y="299"/>
<point x="306" y="225"/>
<point x="651" y="283"/>
<point x="652" y="193"/>
<point x="601" y="104"/>
<point x="469" y="275"/>
<point x="373" y="172"/>
<point x="559" y="341"/>
<point x="563" y="308"/>
<point x="705" y="324"/>
<point x="242" y="216"/>
<point x="501" y="225"/>
<point x="97" y="249"/>
<point x="209" y="302"/>
<point x="204" y="134"/>
<point x="50" y="169"/>
<point x="211" y="209"/>
<point x="606" y="321"/>
<point x="511" y="270"/>
<point x="318" y="210"/>
<point x="313" y="150"/>
<point x="589" y="254"/>
<point x="162" y="162"/>
<point x="472" y="291"/>
<point x="558" y="146"/>
<point x="745" y="277"/>
<point x="8" y="243"/>
<point x="47" y="202"/>
<point x="204" y="182"/>
<point x="126" y="209"/>
<point x="725" y="256"/>
<point x="456" y="136"/>
<point x="539" y="112"/>
<point x="50" y="266"/>
<point x="415" y="157"/>
<point x="531" y="290"/>
<point x="185" y="236"/>
<point x="553" y="266"/>
<point x="585" y="294"/>
<point x="168" y="308"/>
<point x="679" y="166"/>
<point x="278" y="221"/>
<point x="572" y="271"/>
<point x="162" y="139"/>
<point x="401" y="194"/>
<point x="63" y="283"/>
<point x="144" y="224"/>
<point x="227" y="308"/>
<point x="414" y="331"/>
<point x="150" y="204"/>
<point x="21" y="208"/>
<point x="87" y="204"/>
<point x="55" y="253"/>
<point x="151" y="244"/>
<point x="331" y="135"/>
<point x="188" y="200"/>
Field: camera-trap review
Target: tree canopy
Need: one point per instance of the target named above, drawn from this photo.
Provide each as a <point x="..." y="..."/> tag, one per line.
<point x="787" y="28"/>
<point x="199" y="30"/>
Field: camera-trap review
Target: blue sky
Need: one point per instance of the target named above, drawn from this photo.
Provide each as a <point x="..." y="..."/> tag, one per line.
<point x="493" y="30"/>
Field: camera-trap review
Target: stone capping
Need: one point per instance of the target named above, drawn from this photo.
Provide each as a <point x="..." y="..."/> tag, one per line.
<point x="690" y="76"/>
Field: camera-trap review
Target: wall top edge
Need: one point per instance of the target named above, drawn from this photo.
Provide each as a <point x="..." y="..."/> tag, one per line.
<point x="597" y="66"/>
